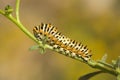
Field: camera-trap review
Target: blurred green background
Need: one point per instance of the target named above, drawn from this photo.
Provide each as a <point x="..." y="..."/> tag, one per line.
<point x="92" y="22"/>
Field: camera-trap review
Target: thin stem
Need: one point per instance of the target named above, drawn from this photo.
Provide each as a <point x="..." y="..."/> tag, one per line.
<point x="106" y="64"/>
<point x="22" y="28"/>
<point x="11" y="18"/>
<point x="2" y="12"/>
<point x="102" y="67"/>
<point x="17" y="10"/>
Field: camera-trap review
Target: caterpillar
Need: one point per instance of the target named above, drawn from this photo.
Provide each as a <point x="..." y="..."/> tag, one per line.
<point x="57" y="40"/>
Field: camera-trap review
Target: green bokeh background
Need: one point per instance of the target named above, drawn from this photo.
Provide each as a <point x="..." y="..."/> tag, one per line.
<point x="95" y="23"/>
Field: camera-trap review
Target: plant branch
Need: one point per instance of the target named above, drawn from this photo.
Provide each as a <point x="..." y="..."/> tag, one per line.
<point x="17" y="10"/>
<point x="106" y="64"/>
<point x="102" y="67"/>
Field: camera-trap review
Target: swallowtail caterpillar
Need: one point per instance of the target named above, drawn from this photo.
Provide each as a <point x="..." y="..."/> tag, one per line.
<point x="59" y="41"/>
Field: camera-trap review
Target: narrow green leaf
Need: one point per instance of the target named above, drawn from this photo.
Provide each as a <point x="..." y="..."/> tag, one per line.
<point x="41" y="50"/>
<point x="90" y="75"/>
<point x="35" y="47"/>
<point x="104" y="58"/>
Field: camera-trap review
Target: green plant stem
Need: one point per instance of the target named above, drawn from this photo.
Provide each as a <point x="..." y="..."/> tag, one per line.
<point x="106" y="64"/>
<point x="11" y="18"/>
<point x="17" y="10"/>
<point x="2" y="12"/>
<point x="102" y="67"/>
<point x="22" y="27"/>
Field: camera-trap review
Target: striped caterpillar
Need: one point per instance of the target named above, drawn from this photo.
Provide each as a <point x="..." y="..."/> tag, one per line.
<point x="59" y="41"/>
